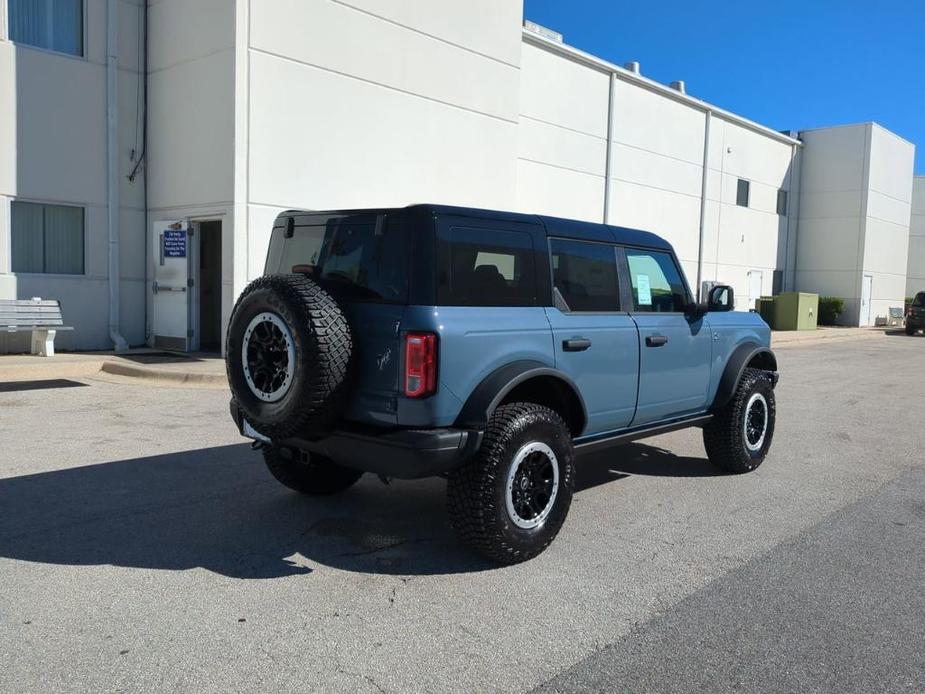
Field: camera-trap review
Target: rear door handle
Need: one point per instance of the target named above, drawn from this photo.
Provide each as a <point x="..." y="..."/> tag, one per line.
<point x="656" y="340"/>
<point x="576" y="344"/>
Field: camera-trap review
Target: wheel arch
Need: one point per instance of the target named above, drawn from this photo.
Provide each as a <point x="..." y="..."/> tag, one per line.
<point x="527" y="381"/>
<point x="745" y="356"/>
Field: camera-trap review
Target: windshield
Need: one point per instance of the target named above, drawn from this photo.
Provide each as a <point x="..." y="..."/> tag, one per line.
<point x="360" y="261"/>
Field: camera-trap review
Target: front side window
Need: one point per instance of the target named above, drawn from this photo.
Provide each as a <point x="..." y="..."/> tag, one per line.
<point x="919" y="301"/>
<point x="47" y="238"/>
<point x="584" y="275"/>
<point x="486" y="267"/>
<point x="656" y="281"/>
<point x="56" y="25"/>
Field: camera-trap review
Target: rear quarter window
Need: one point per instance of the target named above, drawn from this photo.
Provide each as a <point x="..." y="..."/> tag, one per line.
<point x="485" y="267"/>
<point x="364" y="262"/>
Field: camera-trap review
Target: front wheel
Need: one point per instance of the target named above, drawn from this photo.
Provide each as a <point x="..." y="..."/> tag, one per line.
<point x="308" y="473"/>
<point x="738" y="438"/>
<point x="911" y="330"/>
<point x="509" y="502"/>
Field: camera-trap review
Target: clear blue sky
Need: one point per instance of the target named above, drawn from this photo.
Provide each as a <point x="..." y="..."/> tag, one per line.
<point x="785" y="64"/>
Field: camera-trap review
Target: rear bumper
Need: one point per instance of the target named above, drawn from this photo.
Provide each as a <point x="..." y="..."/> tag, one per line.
<point x="399" y="453"/>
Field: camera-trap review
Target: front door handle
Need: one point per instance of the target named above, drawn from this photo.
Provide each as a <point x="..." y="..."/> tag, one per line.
<point x="576" y="344"/>
<point x="656" y="340"/>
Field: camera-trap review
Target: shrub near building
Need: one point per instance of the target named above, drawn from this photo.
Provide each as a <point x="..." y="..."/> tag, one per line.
<point x="830" y="308"/>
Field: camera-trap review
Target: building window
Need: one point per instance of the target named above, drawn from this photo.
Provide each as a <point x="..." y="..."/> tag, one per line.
<point x="782" y="202"/>
<point x="55" y="25"/>
<point x="47" y="238"/>
<point x="742" y="191"/>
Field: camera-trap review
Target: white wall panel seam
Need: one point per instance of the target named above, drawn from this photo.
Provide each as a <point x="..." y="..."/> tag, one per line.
<point x="398" y="90"/>
<point x="181" y="63"/>
<point x="559" y="166"/>
<point x="694" y="196"/>
<point x="563" y="127"/>
<point x="424" y="33"/>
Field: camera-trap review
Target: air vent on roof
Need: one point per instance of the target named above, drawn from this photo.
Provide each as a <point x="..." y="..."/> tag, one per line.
<point x="632" y="66"/>
<point x="539" y="30"/>
<point x="678" y="85"/>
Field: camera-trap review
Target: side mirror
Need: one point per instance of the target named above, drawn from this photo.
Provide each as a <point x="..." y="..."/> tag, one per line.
<point x="721" y="298"/>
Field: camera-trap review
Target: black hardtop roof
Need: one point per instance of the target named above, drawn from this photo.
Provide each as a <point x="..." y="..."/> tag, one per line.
<point x="555" y="226"/>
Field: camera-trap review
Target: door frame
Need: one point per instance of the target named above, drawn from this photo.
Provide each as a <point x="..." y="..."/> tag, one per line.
<point x="865" y="320"/>
<point x="195" y="250"/>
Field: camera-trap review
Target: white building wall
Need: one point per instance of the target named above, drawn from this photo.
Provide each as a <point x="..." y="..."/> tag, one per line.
<point x="53" y="150"/>
<point x="363" y="104"/>
<point x="754" y="239"/>
<point x="915" y="273"/>
<point x="831" y="226"/>
<point x="888" y="212"/>
<point x="657" y="168"/>
<point x="562" y="136"/>
<point x="854" y="216"/>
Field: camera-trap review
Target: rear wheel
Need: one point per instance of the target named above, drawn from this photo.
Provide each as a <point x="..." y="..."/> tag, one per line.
<point x="739" y="437"/>
<point x="511" y="499"/>
<point x="308" y="473"/>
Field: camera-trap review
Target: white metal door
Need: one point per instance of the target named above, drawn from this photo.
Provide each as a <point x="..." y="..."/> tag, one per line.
<point x="866" y="290"/>
<point x="755" y="280"/>
<point x="171" y="302"/>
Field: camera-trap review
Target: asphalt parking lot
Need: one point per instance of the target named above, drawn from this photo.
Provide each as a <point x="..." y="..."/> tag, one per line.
<point x="143" y="547"/>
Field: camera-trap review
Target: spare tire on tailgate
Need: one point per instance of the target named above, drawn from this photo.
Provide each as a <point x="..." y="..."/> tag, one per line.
<point x="287" y="354"/>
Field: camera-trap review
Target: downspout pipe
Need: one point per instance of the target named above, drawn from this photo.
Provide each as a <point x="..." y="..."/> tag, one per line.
<point x="112" y="165"/>
<point x="703" y="202"/>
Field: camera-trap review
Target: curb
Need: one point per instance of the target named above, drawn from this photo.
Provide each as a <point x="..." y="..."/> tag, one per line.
<point x="117" y="368"/>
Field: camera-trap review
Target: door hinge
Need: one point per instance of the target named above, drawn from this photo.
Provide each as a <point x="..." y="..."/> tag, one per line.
<point x="189" y="334"/>
<point x="190" y="282"/>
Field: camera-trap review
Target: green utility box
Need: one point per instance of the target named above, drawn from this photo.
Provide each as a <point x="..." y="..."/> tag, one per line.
<point x="764" y="307"/>
<point x="791" y="311"/>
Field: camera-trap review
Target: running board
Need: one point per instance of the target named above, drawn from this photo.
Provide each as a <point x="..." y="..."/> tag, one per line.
<point x="606" y="441"/>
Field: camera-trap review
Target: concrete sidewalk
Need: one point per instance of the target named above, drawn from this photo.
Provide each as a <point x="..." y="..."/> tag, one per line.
<point x="154" y="367"/>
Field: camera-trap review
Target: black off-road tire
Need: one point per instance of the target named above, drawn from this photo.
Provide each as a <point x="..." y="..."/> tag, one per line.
<point x="477" y="491"/>
<point x="306" y="473"/>
<point x="323" y="347"/>
<point x="911" y="330"/>
<point x="725" y="437"/>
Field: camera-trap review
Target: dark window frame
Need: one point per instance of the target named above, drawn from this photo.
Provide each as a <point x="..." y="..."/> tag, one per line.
<point x="81" y="54"/>
<point x="743" y="191"/>
<point x="783" y="202"/>
<point x="83" y="240"/>
<point x="620" y="288"/>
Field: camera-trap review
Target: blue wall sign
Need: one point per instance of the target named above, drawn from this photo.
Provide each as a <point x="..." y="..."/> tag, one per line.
<point x="174" y="243"/>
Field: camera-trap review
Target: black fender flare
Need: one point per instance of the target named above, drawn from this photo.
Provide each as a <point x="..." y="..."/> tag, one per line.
<point x="488" y="395"/>
<point x="740" y="358"/>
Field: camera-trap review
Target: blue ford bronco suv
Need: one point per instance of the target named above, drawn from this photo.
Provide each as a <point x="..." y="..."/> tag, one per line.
<point x="489" y="348"/>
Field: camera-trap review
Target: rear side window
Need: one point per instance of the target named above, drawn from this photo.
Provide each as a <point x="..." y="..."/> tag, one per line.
<point x="919" y="300"/>
<point x="656" y="281"/>
<point x="486" y="267"/>
<point x="584" y="275"/>
<point x="364" y="262"/>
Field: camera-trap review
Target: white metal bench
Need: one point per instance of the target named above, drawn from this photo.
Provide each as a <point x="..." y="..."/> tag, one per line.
<point x="41" y="317"/>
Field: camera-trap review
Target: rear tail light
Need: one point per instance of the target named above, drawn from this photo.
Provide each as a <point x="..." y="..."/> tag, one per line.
<point x="420" y="364"/>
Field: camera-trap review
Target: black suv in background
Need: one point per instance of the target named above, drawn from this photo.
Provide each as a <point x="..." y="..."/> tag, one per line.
<point x="915" y="315"/>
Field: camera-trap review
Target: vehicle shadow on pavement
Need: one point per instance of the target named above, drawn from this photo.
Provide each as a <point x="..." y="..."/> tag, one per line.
<point x="219" y="509"/>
